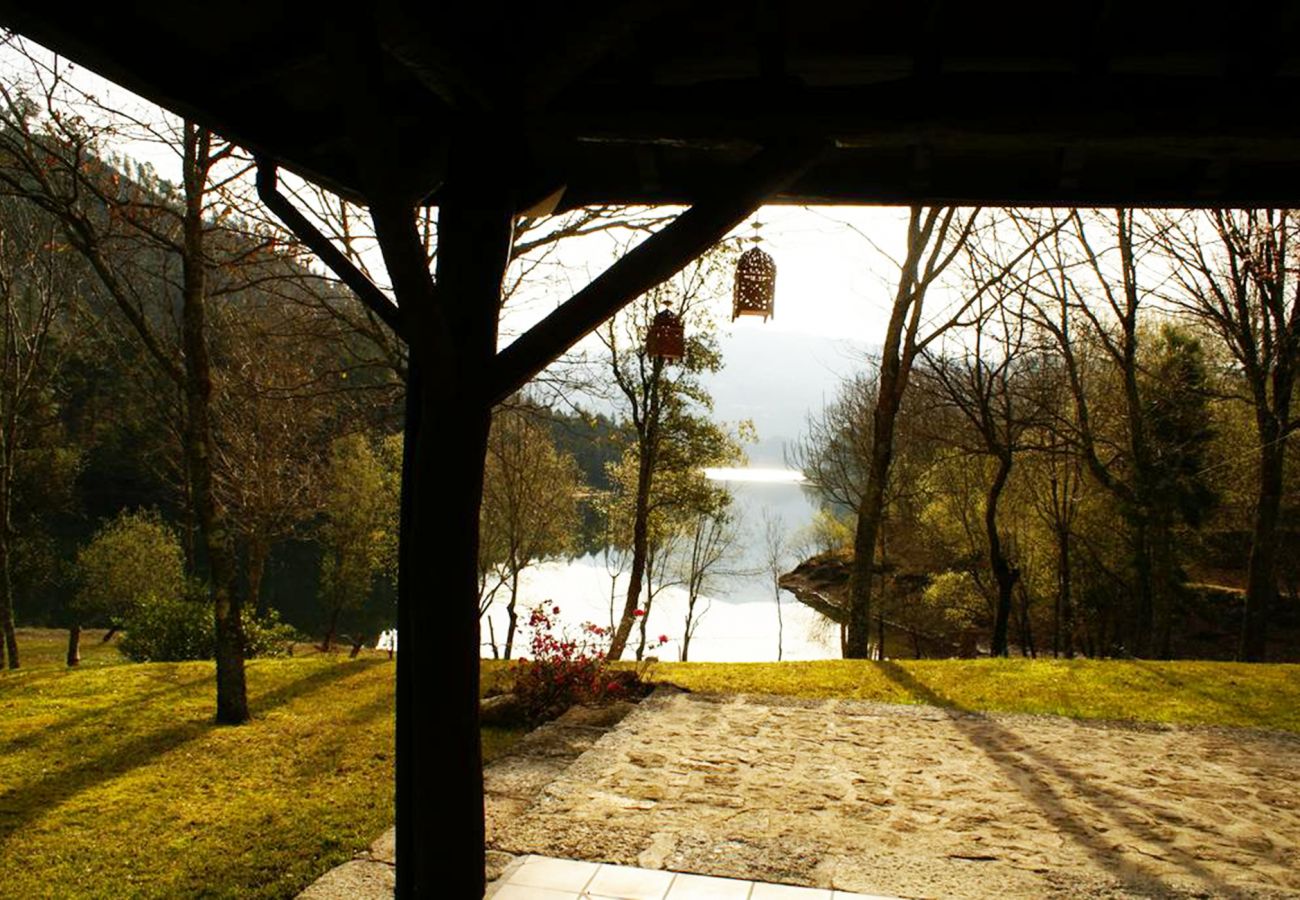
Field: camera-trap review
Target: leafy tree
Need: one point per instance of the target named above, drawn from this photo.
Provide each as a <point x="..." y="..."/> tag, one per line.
<point x="358" y="517"/>
<point x="666" y="404"/>
<point x="530" y="507"/>
<point x="678" y="497"/>
<point x="133" y="561"/>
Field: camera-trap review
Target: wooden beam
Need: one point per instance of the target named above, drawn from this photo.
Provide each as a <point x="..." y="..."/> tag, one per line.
<point x="591" y="39"/>
<point x="651" y="262"/>
<point x="374" y="299"/>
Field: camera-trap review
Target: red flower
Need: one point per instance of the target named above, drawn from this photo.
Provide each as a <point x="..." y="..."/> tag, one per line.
<point x="639" y="612"/>
<point x="663" y="638"/>
<point x="555" y="610"/>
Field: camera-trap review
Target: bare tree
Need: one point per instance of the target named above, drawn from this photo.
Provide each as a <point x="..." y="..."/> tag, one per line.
<point x="712" y="537"/>
<point x="1235" y="273"/>
<point x="37" y="329"/>
<point x="132" y="233"/>
<point x="936" y="237"/>
<point x="1090" y="298"/>
<point x="985" y="386"/>
<point x="776" y="557"/>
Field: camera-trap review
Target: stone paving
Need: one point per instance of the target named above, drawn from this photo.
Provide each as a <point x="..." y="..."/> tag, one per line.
<point x="540" y="878"/>
<point x="924" y="802"/>
<point x="911" y="802"/>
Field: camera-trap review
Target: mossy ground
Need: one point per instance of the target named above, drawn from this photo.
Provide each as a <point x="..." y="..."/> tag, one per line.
<point x="114" y="782"/>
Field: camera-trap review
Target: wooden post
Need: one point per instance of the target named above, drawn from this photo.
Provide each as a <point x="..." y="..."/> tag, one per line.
<point x="452" y="335"/>
<point x="453" y="380"/>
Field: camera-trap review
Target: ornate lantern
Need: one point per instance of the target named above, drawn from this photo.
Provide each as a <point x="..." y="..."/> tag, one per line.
<point x="666" y="338"/>
<point x="755" y="293"/>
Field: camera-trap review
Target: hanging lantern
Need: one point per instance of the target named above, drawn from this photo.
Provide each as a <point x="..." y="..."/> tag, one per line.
<point x="755" y="293"/>
<point x="666" y="338"/>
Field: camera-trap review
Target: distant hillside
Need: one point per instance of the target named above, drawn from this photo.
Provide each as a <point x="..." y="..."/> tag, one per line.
<point x="776" y="378"/>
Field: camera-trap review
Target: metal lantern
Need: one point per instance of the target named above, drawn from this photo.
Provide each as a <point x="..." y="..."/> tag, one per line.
<point x="666" y="338"/>
<point x="755" y="293"/>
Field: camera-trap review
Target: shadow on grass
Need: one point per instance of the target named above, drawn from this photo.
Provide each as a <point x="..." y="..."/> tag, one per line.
<point x="23" y="804"/>
<point x="1024" y="766"/>
<point x="67" y="723"/>
<point x="1222" y="705"/>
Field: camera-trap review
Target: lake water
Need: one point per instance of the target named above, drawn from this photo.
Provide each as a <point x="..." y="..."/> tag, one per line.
<point x="740" y="624"/>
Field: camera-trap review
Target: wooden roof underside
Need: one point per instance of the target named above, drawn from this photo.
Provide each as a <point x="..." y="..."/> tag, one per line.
<point x="1132" y="103"/>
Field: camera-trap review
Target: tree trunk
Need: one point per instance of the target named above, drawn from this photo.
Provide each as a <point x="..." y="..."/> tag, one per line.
<point x="1140" y="623"/>
<point x="780" y="625"/>
<point x="332" y="629"/>
<point x="1164" y="572"/>
<point x="512" y="616"/>
<point x="1027" y="647"/>
<point x="74" y="646"/>
<point x="641" y="516"/>
<point x="1064" y="599"/>
<point x="1261" y="575"/>
<point x="200" y="447"/>
<point x="6" y="600"/>
<point x="645" y="616"/>
<point x="871" y="511"/>
<point x="1003" y="573"/>
<point x="258" y="553"/>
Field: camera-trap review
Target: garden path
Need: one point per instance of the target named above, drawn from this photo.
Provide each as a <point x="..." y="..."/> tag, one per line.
<point x="924" y="802"/>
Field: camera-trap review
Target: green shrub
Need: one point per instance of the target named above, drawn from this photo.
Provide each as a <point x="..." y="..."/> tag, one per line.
<point x="174" y="630"/>
<point x="169" y="629"/>
<point x="131" y="562"/>
<point x="268" y="636"/>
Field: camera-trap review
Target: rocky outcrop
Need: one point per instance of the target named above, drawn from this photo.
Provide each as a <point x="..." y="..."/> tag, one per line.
<point x="822" y="582"/>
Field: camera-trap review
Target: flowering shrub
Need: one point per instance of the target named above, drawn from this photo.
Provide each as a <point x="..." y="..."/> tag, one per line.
<point x="565" y="669"/>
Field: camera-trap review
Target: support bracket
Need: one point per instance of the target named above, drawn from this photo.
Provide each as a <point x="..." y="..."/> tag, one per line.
<point x="374" y="299"/>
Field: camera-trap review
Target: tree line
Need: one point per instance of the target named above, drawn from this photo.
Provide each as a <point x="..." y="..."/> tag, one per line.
<point x="1074" y="439"/>
<point x="180" y="380"/>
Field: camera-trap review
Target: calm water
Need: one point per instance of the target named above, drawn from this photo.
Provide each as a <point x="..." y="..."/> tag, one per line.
<point x="740" y="624"/>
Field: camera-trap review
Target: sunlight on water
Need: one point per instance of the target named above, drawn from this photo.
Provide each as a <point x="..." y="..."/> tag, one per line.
<point x="769" y="475"/>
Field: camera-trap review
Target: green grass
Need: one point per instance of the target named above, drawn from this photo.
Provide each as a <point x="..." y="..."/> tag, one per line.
<point x="1196" y="693"/>
<point x="114" y="782"/>
<point x="47" y="648"/>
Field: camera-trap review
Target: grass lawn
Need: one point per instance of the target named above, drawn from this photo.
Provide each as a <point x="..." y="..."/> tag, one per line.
<point x="1195" y="693"/>
<point x="115" y="783"/>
